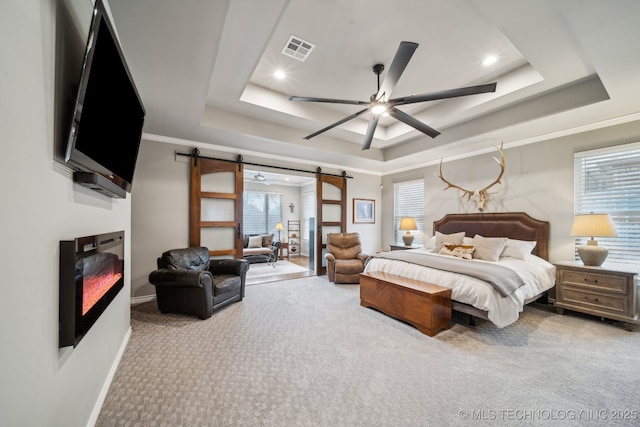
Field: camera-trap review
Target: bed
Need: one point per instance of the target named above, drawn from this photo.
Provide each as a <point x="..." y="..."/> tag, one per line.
<point x="477" y="294"/>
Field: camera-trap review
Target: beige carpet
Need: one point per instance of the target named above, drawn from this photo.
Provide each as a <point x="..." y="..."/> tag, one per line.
<point x="304" y="353"/>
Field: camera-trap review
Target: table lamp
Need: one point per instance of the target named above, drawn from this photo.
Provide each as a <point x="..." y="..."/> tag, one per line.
<point x="279" y="227"/>
<point x="593" y="225"/>
<point x="408" y="223"/>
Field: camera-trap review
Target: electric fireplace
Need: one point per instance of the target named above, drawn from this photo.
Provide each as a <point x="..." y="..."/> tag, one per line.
<point x="91" y="275"/>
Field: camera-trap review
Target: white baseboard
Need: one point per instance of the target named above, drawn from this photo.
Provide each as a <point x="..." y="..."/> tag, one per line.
<point x="139" y="300"/>
<point x="107" y="383"/>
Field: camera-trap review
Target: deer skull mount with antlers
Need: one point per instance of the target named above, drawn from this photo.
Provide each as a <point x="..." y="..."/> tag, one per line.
<point x="480" y="196"/>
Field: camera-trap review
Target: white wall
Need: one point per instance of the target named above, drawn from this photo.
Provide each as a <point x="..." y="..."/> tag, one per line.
<point x="538" y="180"/>
<point x="40" y="385"/>
<point x="364" y="186"/>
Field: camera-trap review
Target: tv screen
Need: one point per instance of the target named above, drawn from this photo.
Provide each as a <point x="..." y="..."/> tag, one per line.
<point x="108" y="116"/>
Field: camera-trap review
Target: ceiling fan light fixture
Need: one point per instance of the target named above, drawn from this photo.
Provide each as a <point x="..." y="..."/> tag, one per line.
<point x="379" y="109"/>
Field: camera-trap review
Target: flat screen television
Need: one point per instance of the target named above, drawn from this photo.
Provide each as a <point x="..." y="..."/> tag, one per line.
<point x="108" y="116"/>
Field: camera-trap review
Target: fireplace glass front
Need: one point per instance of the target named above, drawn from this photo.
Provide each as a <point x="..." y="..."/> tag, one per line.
<point x="91" y="275"/>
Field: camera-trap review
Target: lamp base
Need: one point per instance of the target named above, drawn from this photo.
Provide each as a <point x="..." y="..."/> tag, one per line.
<point x="407" y="238"/>
<point x="592" y="254"/>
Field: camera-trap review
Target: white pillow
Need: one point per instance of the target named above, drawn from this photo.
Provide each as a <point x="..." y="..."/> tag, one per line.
<point x="467" y="241"/>
<point x="255" y="242"/>
<point x="452" y="239"/>
<point x="488" y="248"/>
<point x="431" y="243"/>
<point x="518" y="249"/>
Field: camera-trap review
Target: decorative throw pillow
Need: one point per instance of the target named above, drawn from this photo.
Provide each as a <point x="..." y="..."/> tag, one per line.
<point x="518" y="249"/>
<point x="267" y="240"/>
<point x="458" y="251"/>
<point x="245" y="241"/>
<point x="488" y="248"/>
<point x="451" y="239"/>
<point x="255" y="242"/>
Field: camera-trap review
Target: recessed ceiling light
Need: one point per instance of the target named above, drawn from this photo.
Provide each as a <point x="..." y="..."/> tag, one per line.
<point x="279" y="74"/>
<point x="489" y="60"/>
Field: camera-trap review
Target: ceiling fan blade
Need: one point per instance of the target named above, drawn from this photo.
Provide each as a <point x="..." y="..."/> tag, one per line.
<point x="338" y="123"/>
<point x="373" y="122"/>
<point x="444" y="94"/>
<point x="399" y="63"/>
<point x="413" y="122"/>
<point x="327" y="100"/>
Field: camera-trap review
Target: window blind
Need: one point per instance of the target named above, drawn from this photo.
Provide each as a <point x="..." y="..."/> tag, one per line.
<point x="261" y="212"/>
<point x="408" y="200"/>
<point x="608" y="181"/>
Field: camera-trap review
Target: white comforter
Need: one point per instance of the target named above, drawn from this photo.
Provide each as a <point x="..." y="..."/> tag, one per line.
<point x="538" y="275"/>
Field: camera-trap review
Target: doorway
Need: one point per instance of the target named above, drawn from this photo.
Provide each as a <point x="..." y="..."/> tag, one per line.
<point x="293" y="192"/>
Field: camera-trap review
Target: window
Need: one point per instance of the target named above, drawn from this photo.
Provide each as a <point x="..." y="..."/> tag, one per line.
<point x="408" y="200"/>
<point x="261" y="212"/>
<point x="608" y="181"/>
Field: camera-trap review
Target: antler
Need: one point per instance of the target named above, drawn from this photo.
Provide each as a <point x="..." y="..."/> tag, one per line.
<point x="497" y="180"/>
<point x="468" y="193"/>
<point x="482" y="195"/>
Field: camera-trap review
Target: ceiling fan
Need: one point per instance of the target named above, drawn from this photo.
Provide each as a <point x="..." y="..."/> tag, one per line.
<point x="382" y="102"/>
<point x="261" y="179"/>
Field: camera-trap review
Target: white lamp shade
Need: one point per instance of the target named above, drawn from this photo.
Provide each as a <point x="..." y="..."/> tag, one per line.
<point x="279" y="226"/>
<point x="593" y="225"/>
<point x="408" y="223"/>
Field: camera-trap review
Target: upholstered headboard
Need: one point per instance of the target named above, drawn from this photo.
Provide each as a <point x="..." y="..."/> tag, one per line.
<point x="515" y="225"/>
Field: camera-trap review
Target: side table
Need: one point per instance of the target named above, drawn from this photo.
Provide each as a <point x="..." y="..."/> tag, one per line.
<point x="403" y="247"/>
<point x="609" y="291"/>
<point x="283" y="246"/>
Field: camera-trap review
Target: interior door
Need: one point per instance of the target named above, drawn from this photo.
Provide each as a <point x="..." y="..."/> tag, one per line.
<point x="331" y="214"/>
<point x="215" y="213"/>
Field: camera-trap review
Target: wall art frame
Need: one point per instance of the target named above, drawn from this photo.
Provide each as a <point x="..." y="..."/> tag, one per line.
<point x="364" y="211"/>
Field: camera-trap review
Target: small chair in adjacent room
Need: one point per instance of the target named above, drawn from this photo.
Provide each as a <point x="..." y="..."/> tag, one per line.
<point x="345" y="260"/>
<point x="188" y="281"/>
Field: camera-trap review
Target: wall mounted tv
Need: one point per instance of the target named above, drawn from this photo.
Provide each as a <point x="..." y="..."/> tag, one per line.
<point x="108" y="116"/>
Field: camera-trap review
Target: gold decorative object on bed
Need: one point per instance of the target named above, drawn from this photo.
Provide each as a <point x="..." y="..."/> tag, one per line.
<point x="480" y="196"/>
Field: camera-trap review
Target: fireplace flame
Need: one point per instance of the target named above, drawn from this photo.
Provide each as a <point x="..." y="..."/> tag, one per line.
<point x="94" y="288"/>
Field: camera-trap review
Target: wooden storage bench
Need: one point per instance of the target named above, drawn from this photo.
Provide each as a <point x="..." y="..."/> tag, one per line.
<point x="423" y="305"/>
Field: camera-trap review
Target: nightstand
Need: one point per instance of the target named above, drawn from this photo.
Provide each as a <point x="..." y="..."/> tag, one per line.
<point x="609" y="291"/>
<point x="403" y="247"/>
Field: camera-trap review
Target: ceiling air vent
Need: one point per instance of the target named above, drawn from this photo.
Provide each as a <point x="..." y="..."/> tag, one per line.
<point x="297" y="48"/>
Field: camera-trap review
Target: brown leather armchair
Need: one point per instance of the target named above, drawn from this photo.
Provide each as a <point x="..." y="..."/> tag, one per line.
<point x="345" y="261"/>
<point x="187" y="281"/>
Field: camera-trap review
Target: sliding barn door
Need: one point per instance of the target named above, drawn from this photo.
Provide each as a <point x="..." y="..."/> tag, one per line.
<point x="215" y="217"/>
<point x="331" y="204"/>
